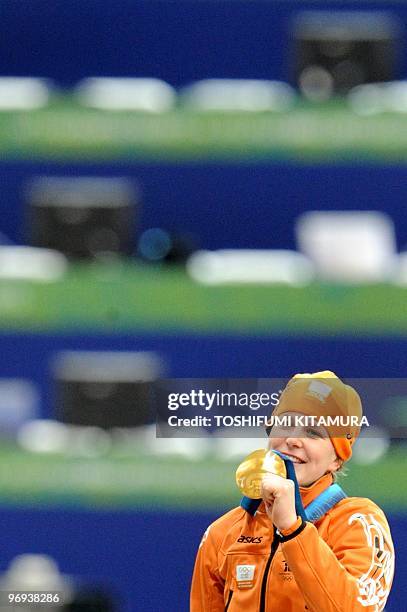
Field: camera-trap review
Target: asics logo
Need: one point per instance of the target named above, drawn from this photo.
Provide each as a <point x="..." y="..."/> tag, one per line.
<point x="249" y="539"/>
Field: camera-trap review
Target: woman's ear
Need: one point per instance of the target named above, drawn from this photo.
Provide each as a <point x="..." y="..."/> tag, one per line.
<point x="336" y="465"/>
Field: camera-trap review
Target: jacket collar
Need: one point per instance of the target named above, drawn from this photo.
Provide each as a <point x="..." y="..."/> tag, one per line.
<point x="308" y="494"/>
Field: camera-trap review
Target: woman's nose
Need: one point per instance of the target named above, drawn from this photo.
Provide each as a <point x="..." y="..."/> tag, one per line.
<point x="294" y="441"/>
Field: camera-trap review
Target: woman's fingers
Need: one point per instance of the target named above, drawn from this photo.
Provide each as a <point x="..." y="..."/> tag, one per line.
<point x="273" y="486"/>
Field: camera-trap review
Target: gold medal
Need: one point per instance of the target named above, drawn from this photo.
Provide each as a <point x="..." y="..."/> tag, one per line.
<point x="250" y="472"/>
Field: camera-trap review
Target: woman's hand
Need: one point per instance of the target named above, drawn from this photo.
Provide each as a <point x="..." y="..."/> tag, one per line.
<point x="279" y="498"/>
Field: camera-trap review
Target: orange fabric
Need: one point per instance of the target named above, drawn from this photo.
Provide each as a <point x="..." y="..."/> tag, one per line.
<point x="324" y="394"/>
<point x="343" y="447"/>
<point x="308" y="494"/>
<point x="343" y="563"/>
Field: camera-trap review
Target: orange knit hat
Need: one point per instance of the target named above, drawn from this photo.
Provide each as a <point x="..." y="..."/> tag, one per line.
<point x="324" y="394"/>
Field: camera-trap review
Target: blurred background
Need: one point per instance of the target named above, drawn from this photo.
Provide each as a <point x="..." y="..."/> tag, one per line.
<point x="188" y="189"/>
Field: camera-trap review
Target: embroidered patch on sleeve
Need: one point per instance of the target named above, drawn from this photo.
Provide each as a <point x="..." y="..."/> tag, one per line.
<point x="374" y="584"/>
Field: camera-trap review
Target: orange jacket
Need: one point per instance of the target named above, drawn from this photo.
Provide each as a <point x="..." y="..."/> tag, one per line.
<point x="343" y="563"/>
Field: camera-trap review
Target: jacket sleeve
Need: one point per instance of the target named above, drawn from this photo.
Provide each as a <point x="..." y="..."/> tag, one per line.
<point x="207" y="585"/>
<point x="355" y="571"/>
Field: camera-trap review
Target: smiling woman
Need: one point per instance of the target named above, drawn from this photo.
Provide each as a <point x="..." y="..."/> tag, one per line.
<point x="266" y="556"/>
<point x="309" y="448"/>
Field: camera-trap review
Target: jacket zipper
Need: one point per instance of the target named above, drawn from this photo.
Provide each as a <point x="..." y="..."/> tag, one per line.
<point x="229" y="600"/>
<point x="274" y="547"/>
